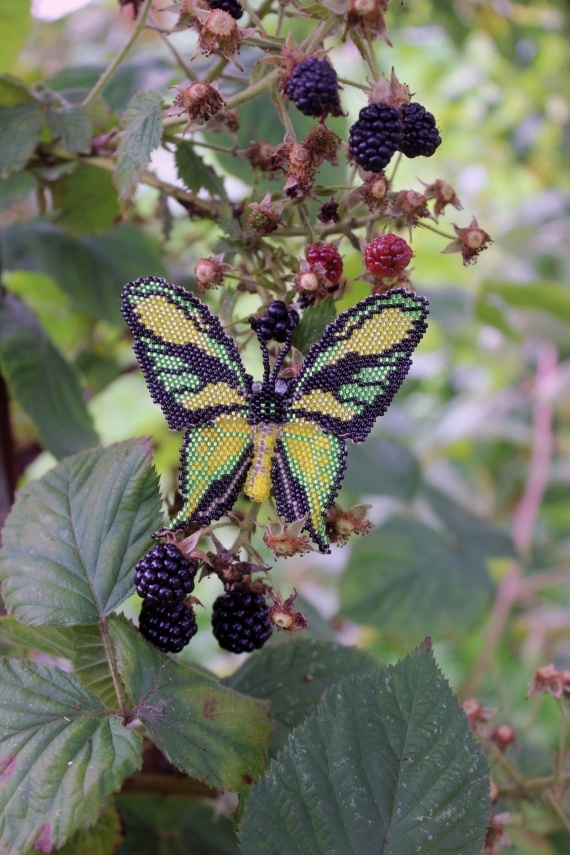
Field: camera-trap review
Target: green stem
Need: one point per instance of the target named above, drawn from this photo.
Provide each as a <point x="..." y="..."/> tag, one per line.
<point x="114" y="669"/>
<point x="551" y="800"/>
<point x="179" y="59"/>
<point x="247" y="528"/>
<point x="437" y="231"/>
<point x="110" y="70"/>
<point x="216" y="70"/>
<point x="254" y="90"/>
<point x="253" y="16"/>
<point x="531" y="785"/>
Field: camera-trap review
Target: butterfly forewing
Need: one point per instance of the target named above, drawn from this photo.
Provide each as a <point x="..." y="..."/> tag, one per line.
<point x="192" y="368"/>
<point x="351" y="375"/>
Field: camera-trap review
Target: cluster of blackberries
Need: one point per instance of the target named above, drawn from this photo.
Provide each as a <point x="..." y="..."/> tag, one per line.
<point x="313" y="88"/>
<point x="230" y="6"/>
<point x="240" y="621"/>
<point x="382" y="130"/>
<point x="164" y="578"/>
<point x="276" y="323"/>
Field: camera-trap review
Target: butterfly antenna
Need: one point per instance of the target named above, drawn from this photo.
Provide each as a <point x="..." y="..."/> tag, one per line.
<point x="283" y="353"/>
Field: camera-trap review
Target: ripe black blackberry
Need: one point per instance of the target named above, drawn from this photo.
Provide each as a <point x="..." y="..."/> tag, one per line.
<point x="313" y="88"/>
<point x="240" y="621"/>
<point x="375" y="136"/>
<point x="421" y="136"/>
<point x="276" y="322"/>
<point x="169" y="629"/>
<point x="230" y="6"/>
<point x="164" y="576"/>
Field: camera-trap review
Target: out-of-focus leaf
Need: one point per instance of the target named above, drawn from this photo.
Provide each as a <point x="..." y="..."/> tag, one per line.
<point x="542" y="296"/>
<point x="382" y="467"/>
<point x="137" y="76"/>
<point x="188" y="827"/>
<point x="293" y="675"/>
<point x="89" y="204"/>
<point x="410" y="580"/>
<point x="56" y="641"/>
<point x="44" y="384"/>
<point x="71" y="127"/>
<point x="195" y="173"/>
<point x="15" y="187"/>
<point x="14" y="24"/>
<point x="142" y="134"/>
<point x="92" y="270"/>
<point x="13" y="91"/>
<point x="101" y="839"/>
<point x="73" y="537"/>
<point x="206" y="730"/>
<point x="494" y="317"/>
<point x="61" y="756"/>
<point x="20" y="129"/>
<point x="387" y="765"/>
<point x="313" y="324"/>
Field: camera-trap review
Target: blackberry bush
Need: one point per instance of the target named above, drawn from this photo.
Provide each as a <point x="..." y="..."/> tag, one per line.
<point x="170" y="628"/>
<point x="420" y="136"/>
<point x="164" y="576"/>
<point x="387" y="255"/>
<point x="313" y="88"/>
<point x="375" y="137"/>
<point x="240" y="621"/>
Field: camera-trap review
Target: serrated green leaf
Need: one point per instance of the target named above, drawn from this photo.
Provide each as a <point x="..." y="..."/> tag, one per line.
<point x="293" y="675"/>
<point x="196" y="174"/>
<point x="410" y="580"/>
<point x="55" y="641"/>
<point x="90" y="204"/>
<point x="20" y="129"/>
<point x="313" y="324"/>
<point x="73" y="537"/>
<point x="386" y="765"/>
<point x="210" y="732"/>
<point x="189" y="828"/>
<point x="92" y="270"/>
<point x="61" y="756"/>
<point x="142" y="134"/>
<point x="103" y="838"/>
<point x="71" y="127"/>
<point x="44" y="384"/>
<point x="15" y="21"/>
<point x="382" y="467"/>
<point x="90" y="664"/>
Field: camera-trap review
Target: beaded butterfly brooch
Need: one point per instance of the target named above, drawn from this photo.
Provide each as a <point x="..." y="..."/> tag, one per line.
<point x="285" y="435"/>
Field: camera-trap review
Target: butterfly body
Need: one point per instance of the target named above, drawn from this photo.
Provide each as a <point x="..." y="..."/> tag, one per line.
<point x="271" y="435"/>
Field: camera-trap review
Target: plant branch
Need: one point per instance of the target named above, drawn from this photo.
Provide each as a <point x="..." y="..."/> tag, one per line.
<point x="113" y="66"/>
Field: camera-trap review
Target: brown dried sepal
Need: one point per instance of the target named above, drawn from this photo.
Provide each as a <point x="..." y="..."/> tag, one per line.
<point x="549" y="680"/>
<point x="286" y="539"/>
<point x="328" y="212"/>
<point x="496" y="837"/>
<point x="478" y="716"/>
<point x="187" y="12"/>
<point x="219" y="32"/>
<point x="340" y="525"/>
<point x="406" y="208"/>
<point x="209" y="272"/>
<point x="375" y="193"/>
<point x="264" y="217"/>
<point x="312" y="285"/>
<point x="383" y="284"/>
<point x="444" y="195"/>
<point x="284" y="616"/>
<point x="469" y="242"/>
<point x="199" y="101"/>
<point x="367" y="17"/>
<point x="503" y="735"/>
<point x="322" y="145"/>
<point x="390" y="92"/>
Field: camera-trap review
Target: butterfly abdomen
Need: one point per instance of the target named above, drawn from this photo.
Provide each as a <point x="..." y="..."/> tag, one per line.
<point x="258" y="481"/>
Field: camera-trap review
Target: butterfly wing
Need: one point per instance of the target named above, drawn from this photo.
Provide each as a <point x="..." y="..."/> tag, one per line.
<point x="308" y="467"/>
<point x="194" y="372"/>
<point x="350" y="376"/>
<point x="214" y="462"/>
<point x="192" y="368"/>
<point x="348" y="379"/>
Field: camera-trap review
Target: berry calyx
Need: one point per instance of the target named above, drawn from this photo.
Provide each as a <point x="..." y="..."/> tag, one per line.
<point x="420" y="136"/>
<point x="276" y="322"/>
<point x="313" y="88"/>
<point x="168" y="629"/>
<point x="230" y="6"/>
<point x="240" y="621"/>
<point x="387" y="255"/>
<point x="327" y="255"/>
<point x="164" y="577"/>
<point x="375" y="137"/>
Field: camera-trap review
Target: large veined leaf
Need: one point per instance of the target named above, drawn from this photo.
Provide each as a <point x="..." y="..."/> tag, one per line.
<point x="90" y="663"/>
<point x="73" y="537"/>
<point x="409" y="579"/>
<point x="385" y="766"/>
<point x="20" y="129"/>
<point x="293" y="675"/>
<point x="55" y="641"/>
<point x="61" y="755"/>
<point x="89" y="203"/>
<point x="45" y="385"/>
<point x="212" y="733"/>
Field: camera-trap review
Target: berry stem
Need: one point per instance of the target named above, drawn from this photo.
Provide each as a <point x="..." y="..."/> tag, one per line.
<point x="216" y="70"/>
<point x="437" y="231"/>
<point x="255" y="19"/>
<point x="113" y="66"/>
<point x="246" y="528"/>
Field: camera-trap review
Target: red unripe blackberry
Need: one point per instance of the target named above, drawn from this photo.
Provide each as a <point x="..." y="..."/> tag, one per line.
<point x="313" y="88"/>
<point x="169" y="629"/>
<point x="230" y="6"/>
<point x="328" y="256"/>
<point x="277" y="321"/>
<point x="240" y="621"/>
<point x="164" y="577"/>
<point x="387" y="255"/>
<point x="374" y="138"/>
<point x="421" y="136"/>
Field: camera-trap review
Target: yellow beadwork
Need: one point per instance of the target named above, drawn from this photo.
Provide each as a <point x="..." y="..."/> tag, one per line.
<point x="258" y="482"/>
<point x="324" y="402"/>
<point x="389" y="328"/>
<point x="166" y="320"/>
<point x="213" y="394"/>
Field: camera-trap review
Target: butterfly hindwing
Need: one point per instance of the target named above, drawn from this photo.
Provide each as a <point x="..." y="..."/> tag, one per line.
<point x="308" y="467"/>
<point x="350" y="376"/>
<point x="192" y="368"/>
<point x="214" y="462"/>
